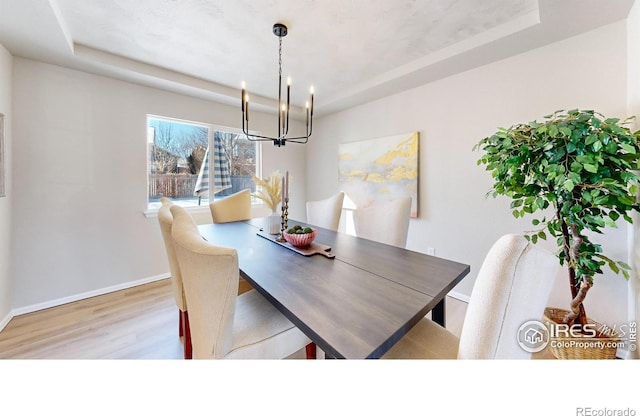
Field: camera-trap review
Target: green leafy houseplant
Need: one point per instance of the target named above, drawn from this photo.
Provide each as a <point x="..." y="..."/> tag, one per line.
<point x="583" y="166"/>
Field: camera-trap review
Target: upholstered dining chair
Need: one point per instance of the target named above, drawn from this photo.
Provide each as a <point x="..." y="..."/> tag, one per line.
<point x="223" y="324"/>
<point x="235" y="207"/>
<point x="165" y="218"/>
<point x="326" y="213"/>
<point x="385" y="221"/>
<point x="512" y="287"/>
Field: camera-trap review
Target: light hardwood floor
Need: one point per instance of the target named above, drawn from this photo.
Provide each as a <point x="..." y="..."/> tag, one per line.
<point x="136" y="323"/>
<point x="140" y="322"/>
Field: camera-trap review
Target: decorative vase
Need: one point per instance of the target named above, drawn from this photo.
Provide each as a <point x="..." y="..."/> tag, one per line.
<point x="273" y="223"/>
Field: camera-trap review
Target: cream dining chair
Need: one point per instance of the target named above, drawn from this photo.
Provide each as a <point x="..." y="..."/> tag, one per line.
<point x="235" y="207"/>
<point x="384" y="221"/>
<point x="326" y="212"/>
<point x="166" y="220"/>
<point x="223" y="324"/>
<point x="512" y="287"/>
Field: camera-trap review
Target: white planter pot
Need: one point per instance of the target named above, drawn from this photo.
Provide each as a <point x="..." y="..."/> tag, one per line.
<point x="273" y="223"/>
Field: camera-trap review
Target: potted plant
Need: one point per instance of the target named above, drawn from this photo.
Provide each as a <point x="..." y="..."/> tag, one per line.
<point x="579" y="168"/>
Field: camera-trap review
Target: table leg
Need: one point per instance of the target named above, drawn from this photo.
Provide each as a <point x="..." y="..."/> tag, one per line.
<point x="438" y="313"/>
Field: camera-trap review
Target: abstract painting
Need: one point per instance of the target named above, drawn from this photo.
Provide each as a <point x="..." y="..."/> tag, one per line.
<point x="380" y="169"/>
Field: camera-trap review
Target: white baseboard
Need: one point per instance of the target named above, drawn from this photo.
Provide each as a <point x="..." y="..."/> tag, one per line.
<point x="5" y="320"/>
<point x="85" y="295"/>
<point x="459" y="296"/>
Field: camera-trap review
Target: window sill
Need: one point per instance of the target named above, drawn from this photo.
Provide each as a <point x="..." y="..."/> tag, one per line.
<point x="258" y="210"/>
<point x="153" y="212"/>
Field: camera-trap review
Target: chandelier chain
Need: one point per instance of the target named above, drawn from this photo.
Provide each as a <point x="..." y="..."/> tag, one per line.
<point x="280" y="56"/>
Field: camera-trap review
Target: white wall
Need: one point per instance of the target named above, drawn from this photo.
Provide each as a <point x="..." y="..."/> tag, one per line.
<point x="633" y="100"/>
<point x="453" y="114"/>
<point x="80" y="176"/>
<point x="5" y="202"/>
<point x="633" y="56"/>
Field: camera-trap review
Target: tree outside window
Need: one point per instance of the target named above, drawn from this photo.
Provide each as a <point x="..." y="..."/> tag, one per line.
<point x="177" y="153"/>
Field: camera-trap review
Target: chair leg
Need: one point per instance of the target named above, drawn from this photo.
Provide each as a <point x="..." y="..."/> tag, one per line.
<point x="187" y="336"/>
<point x="311" y="351"/>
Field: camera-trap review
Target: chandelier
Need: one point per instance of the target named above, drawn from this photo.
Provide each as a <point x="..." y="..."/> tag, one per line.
<point x="283" y="109"/>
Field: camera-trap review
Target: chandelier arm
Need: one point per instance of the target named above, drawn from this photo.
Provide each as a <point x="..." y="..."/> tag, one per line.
<point x="243" y="118"/>
<point x="286" y="127"/>
<point x="259" y="138"/>
<point x="299" y="139"/>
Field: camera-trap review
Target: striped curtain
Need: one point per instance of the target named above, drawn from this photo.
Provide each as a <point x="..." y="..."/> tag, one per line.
<point x="221" y="170"/>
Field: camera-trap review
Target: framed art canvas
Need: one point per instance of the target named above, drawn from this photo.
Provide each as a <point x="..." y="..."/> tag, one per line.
<point x="380" y="169"/>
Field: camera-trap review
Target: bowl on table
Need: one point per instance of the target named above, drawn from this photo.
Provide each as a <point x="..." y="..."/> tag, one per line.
<point x="300" y="240"/>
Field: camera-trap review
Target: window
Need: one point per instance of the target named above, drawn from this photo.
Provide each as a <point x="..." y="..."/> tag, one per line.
<point x="191" y="162"/>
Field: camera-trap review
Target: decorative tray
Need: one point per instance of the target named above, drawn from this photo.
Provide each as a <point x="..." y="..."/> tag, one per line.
<point x="310" y="250"/>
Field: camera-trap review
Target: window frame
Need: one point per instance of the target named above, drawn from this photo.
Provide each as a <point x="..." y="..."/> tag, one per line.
<point x="153" y="207"/>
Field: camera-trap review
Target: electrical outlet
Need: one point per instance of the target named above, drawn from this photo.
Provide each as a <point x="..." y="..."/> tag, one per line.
<point x="431" y="251"/>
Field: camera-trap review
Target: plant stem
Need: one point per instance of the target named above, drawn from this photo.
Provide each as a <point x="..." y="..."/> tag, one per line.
<point x="571" y="254"/>
<point x="567" y="254"/>
<point x="577" y="307"/>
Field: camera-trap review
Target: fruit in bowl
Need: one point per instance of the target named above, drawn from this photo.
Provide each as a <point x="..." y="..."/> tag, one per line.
<point x="299" y="236"/>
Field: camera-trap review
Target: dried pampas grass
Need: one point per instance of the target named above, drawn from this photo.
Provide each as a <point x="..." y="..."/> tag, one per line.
<point x="270" y="190"/>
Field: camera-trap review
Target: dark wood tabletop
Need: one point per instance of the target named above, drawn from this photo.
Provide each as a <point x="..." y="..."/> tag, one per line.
<point x="356" y="305"/>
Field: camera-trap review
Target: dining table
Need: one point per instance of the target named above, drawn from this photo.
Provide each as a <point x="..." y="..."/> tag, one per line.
<point x="353" y="297"/>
